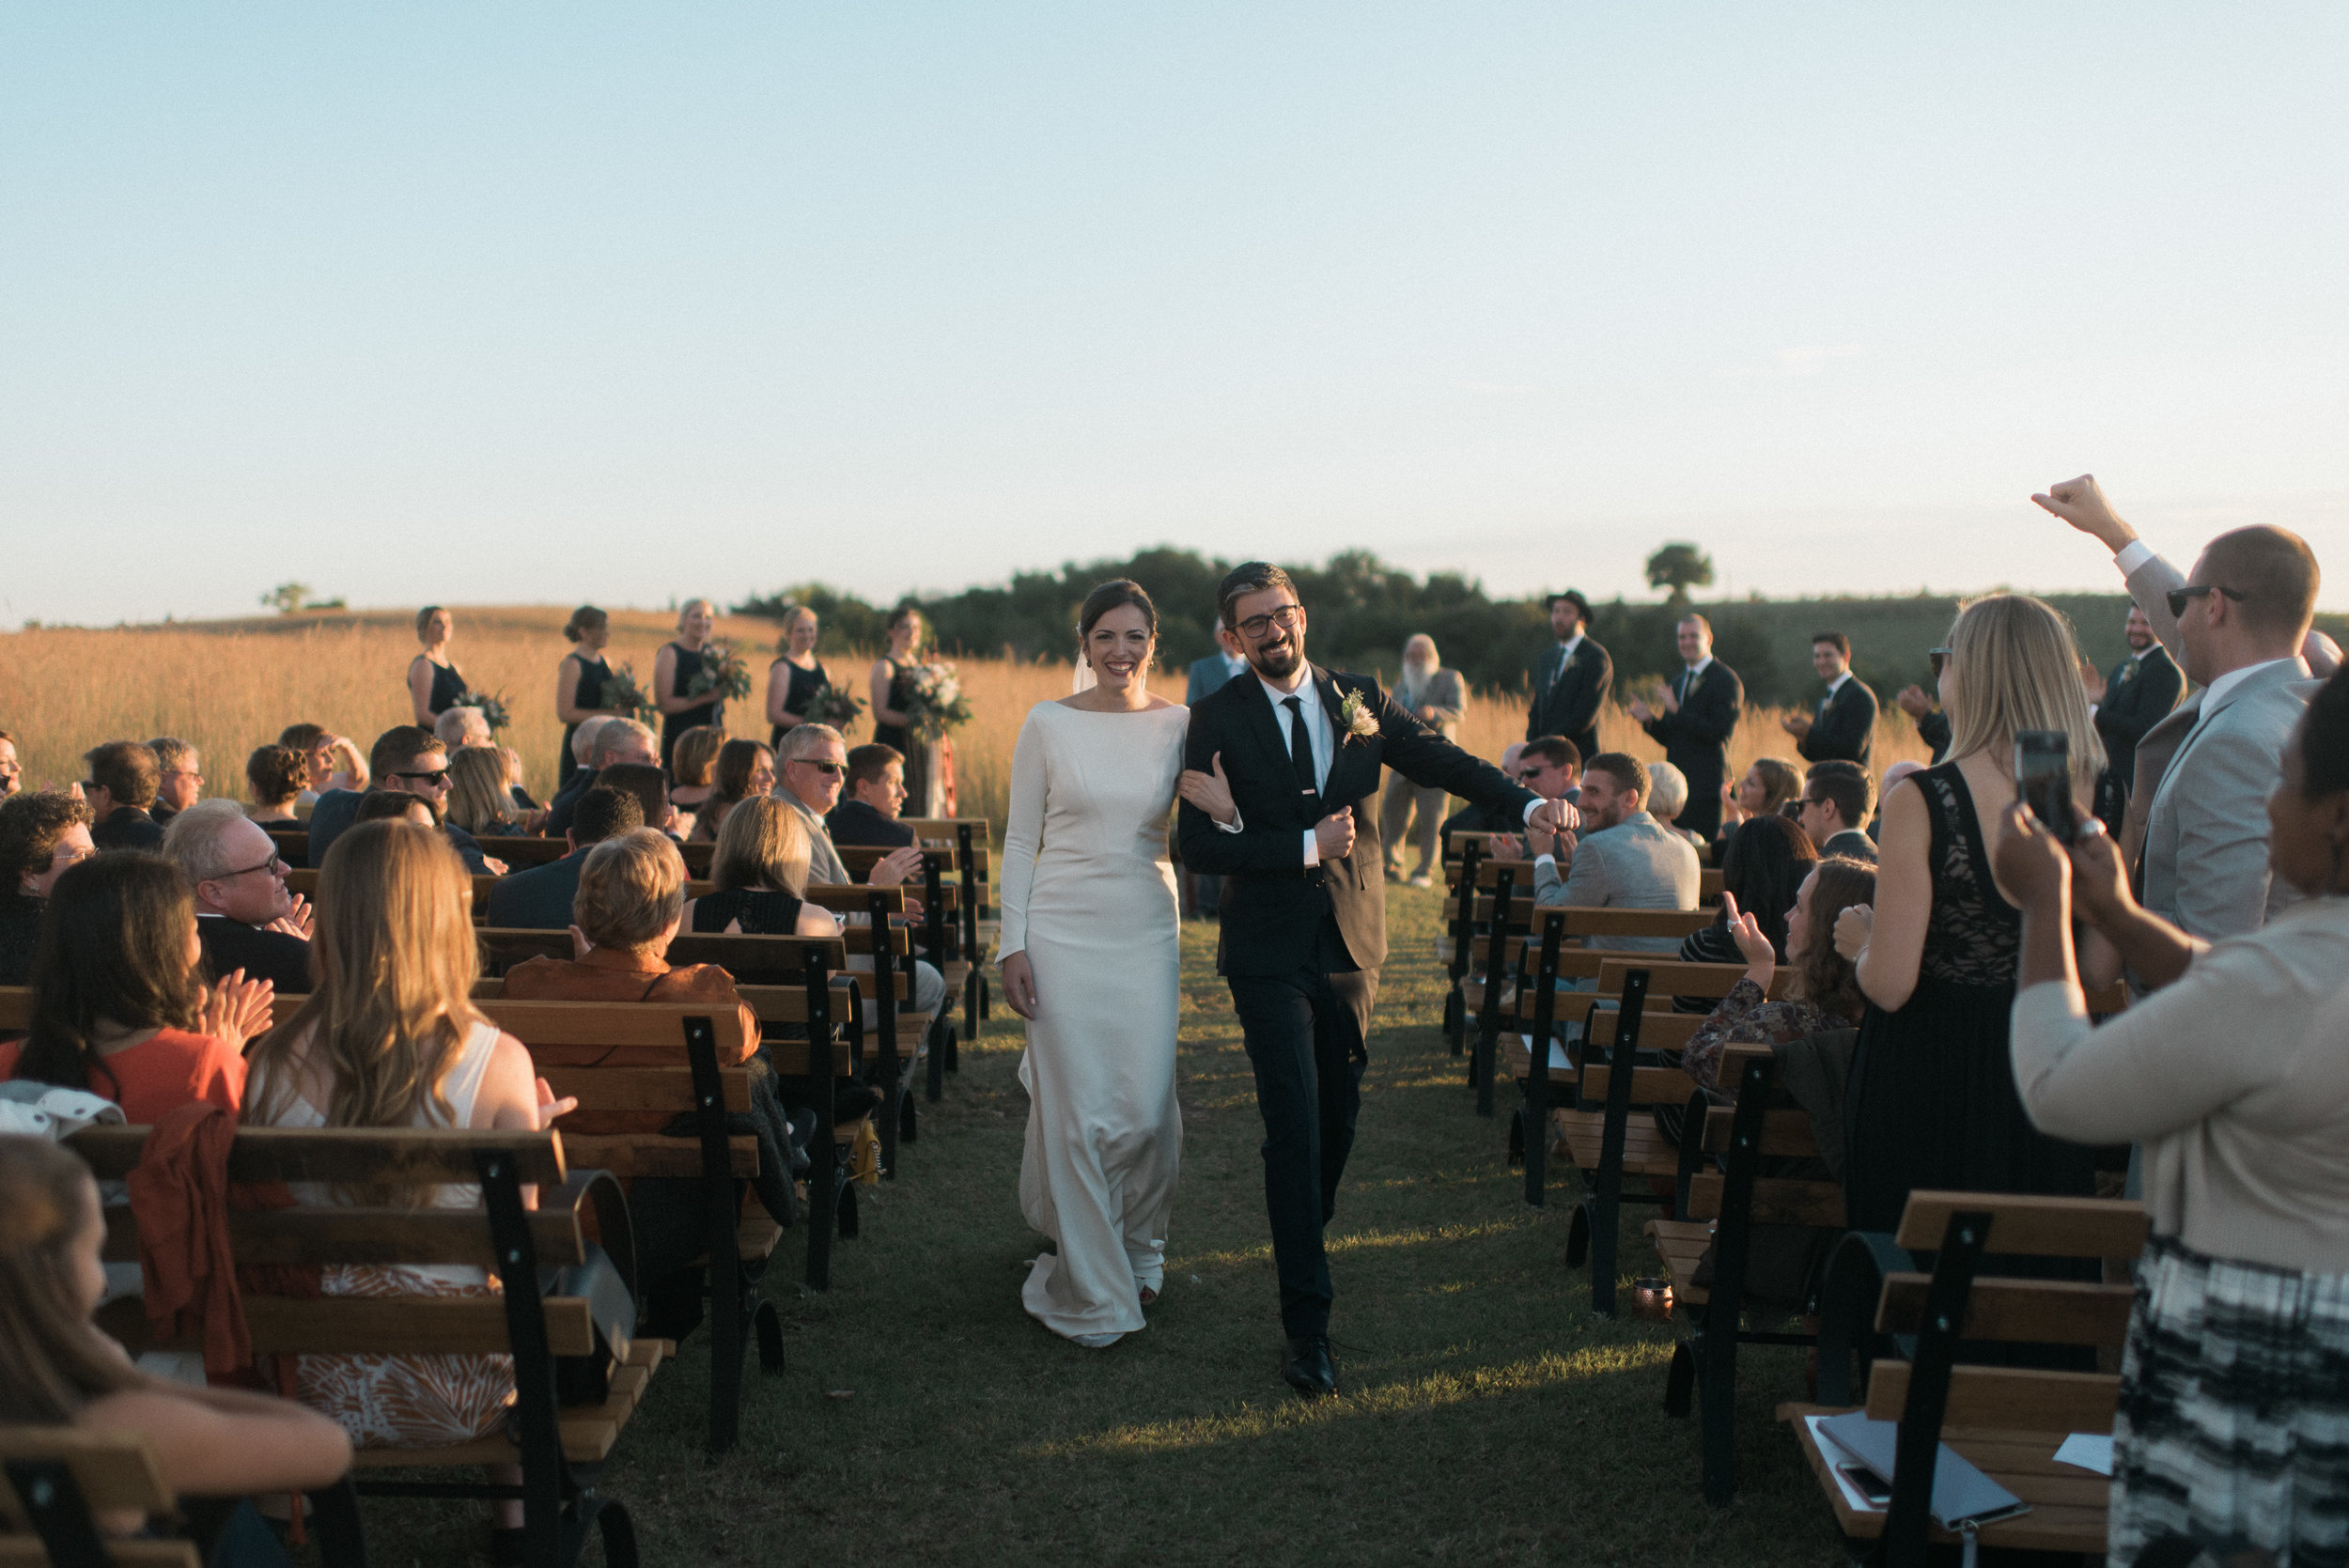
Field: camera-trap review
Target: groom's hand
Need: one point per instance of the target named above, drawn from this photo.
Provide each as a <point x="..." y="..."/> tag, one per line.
<point x="1334" y="835"/>
<point x="1553" y="817"/>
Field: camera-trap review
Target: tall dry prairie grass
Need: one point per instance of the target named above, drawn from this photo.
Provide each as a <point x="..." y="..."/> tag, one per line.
<point x="228" y="687"/>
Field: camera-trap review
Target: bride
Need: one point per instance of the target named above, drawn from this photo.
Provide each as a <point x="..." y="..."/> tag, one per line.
<point x="1091" y="957"/>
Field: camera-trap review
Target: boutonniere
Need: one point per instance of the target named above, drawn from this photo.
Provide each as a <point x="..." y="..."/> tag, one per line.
<point x="1356" y="719"/>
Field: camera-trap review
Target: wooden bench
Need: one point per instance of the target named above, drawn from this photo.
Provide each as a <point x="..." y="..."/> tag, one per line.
<point x="943" y="911"/>
<point x="561" y="1449"/>
<point x="61" y="1479"/>
<point x="2008" y="1420"/>
<point x="971" y="838"/>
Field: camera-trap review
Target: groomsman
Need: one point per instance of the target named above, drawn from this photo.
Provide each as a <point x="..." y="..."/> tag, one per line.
<point x="2138" y="695"/>
<point x="1700" y="714"/>
<point x="1845" y="726"/>
<point x="1203" y="893"/>
<point x="1571" y="681"/>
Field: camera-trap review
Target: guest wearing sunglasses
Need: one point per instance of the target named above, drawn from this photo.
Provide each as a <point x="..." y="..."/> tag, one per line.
<point x="1548" y="766"/>
<point x="406" y="759"/>
<point x="245" y="916"/>
<point x="2195" y="825"/>
<point x="43" y="834"/>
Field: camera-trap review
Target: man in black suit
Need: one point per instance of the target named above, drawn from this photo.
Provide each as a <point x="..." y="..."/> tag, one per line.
<point x="1700" y="713"/>
<point x="619" y="742"/>
<point x="1571" y="681"/>
<point x="1844" y="727"/>
<point x="2138" y="695"/>
<point x="876" y="792"/>
<point x="245" y="916"/>
<point x="1835" y="804"/>
<point x="124" y="777"/>
<point x="1290" y="759"/>
<point x="540" y="899"/>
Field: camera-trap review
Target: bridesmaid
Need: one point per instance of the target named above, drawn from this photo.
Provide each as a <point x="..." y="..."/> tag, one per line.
<point x="673" y="668"/>
<point x="434" y="683"/>
<point x="579" y="681"/>
<point x="892" y="684"/>
<point x="795" y="677"/>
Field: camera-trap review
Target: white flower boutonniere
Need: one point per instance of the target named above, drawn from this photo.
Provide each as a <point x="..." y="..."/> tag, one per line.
<point x="1356" y="719"/>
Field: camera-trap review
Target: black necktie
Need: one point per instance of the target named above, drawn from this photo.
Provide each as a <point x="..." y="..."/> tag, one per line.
<point x="1300" y="747"/>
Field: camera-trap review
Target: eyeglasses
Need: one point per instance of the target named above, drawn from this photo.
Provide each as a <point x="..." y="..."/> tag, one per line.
<point x="1940" y="658"/>
<point x="830" y="770"/>
<point x="1257" y="627"/>
<point x="274" y="864"/>
<point x="433" y="776"/>
<point x="2180" y="597"/>
<point x="183" y="773"/>
<point x="67" y="855"/>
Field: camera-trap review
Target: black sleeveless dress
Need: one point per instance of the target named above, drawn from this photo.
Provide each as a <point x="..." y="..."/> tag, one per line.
<point x="915" y="754"/>
<point x="802" y="690"/>
<point x="448" y="685"/>
<point x="588" y="693"/>
<point x="1932" y="1100"/>
<point x="689" y="664"/>
<point x="761" y="912"/>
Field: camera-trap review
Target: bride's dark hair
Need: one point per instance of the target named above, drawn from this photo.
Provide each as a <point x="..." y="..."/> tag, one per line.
<point x="1108" y="596"/>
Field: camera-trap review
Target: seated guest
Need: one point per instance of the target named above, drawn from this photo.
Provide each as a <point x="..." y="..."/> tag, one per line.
<point x="2230" y="1078"/>
<point x="1761" y="791"/>
<point x="243" y="914"/>
<point x="11" y="770"/>
<point x="1667" y="798"/>
<point x="514" y="785"/>
<point x="760" y="869"/>
<point x="694" y="766"/>
<point x="120" y="1004"/>
<point x="405" y="760"/>
<point x="275" y="778"/>
<point x="616" y="741"/>
<point x="180" y="782"/>
<point x="1823" y="993"/>
<point x="42" y="835"/>
<point x="649" y="784"/>
<point x="1837" y="799"/>
<point x="867" y="812"/>
<point x="1623" y="859"/>
<point x="540" y="898"/>
<point x="745" y="768"/>
<point x="457" y="728"/>
<point x="344" y="768"/>
<point x="1764" y="866"/>
<point x="120" y="789"/>
<point x="65" y="1370"/>
<point x="1476" y="820"/>
<point x="478" y="797"/>
<point x="382" y="805"/>
<point x="389" y="1037"/>
<point x="815" y="762"/>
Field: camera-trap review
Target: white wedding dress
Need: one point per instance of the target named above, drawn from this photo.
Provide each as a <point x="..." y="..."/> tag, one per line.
<point x="1087" y="893"/>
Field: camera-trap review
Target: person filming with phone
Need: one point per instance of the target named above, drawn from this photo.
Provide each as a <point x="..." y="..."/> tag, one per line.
<point x="1932" y="1099"/>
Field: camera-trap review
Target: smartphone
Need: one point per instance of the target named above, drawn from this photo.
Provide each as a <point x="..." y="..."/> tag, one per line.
<point x="1873" y="1487"/>
<point x="2043" y="776"/>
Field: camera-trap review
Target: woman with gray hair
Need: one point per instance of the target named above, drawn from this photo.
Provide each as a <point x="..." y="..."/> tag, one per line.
<point x="1667" y="798"/>
<point x="1436" y="697"/>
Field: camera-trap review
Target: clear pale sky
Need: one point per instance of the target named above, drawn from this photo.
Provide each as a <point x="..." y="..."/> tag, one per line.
<point x="523" y="302"/>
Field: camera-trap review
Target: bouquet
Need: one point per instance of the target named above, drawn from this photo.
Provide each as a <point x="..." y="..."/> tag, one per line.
<point x="937" y="705"/>
<point x="834" y="707"/>
<point x="622" y="694"/>
<point x="722" y="678"/>
<point x="492" y="707"/>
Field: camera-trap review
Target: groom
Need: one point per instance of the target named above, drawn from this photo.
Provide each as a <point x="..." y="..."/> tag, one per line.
<point x="1304" y="915"/>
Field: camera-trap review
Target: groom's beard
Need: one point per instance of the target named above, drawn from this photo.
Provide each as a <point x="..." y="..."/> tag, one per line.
<point x="1279" y="660"/>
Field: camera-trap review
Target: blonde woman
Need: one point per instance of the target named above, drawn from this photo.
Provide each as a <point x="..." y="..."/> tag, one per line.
<point x="795" y="676"/>
<point x="673" y="668"/>
<point x="890" y="685"/>
<point x="435" y="684"/>
<point x="761" y="871"/>
<point x="478" y="800"/>
<point x="1933" y="1100"/>
<point x="390" y="1038"/>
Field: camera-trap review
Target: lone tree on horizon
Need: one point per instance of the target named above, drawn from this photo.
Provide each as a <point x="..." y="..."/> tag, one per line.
<point x="1679" y="566"/>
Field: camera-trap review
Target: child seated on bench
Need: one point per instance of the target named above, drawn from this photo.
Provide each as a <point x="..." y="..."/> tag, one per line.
<point x="58" y="1368"/>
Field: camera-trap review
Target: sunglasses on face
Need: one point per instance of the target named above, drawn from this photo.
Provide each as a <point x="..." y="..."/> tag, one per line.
<point x="829" y="770"/>
<point x="436" y="776"/>
<point x="1257" y="627"/>
<point x="2180" y="597"/>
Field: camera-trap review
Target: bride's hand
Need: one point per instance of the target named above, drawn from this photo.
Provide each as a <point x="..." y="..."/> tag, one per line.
<point x="1210" y="793"/>
<point x="1020" y="985"/>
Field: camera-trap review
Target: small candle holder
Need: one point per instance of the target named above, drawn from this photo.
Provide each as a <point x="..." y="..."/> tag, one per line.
<point x="1652" y="1297"/>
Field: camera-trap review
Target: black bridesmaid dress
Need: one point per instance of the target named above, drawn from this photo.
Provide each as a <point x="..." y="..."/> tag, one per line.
<point x="915" y="754"/>
<point x="801" y="692"/>
<point x="588" y="693"/>
<point x="448" y="686"/>
<point x="689" y="664"/>
<point x="763" y="913"/>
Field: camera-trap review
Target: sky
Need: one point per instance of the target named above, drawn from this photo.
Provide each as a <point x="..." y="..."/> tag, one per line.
<point x="529" y="303"/>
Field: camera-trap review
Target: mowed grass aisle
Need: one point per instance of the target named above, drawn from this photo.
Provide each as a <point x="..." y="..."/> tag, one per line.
<point x="1488" y="1417"/>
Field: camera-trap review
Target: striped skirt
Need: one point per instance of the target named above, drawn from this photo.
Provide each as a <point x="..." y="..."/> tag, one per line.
<point x="2232" y="1432"/>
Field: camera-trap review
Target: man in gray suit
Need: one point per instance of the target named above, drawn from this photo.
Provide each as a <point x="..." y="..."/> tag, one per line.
<point x="1433" y="697"/>
<point x="1203" y="893"/>
<point x="2197" y="825"/>
<point x="1625" y="859"/>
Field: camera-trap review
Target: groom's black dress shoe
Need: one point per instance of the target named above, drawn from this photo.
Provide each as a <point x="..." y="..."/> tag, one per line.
<point x="1307" y="1366"/>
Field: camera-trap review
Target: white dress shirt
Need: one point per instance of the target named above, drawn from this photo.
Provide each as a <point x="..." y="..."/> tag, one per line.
<point x="1566" y="655"/>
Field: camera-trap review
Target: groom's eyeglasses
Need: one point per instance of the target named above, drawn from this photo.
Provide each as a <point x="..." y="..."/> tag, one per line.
<point x="1260" y="626"/>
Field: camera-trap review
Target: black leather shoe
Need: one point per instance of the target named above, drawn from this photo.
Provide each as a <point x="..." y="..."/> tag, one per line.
<point x="1307" y="1366"/>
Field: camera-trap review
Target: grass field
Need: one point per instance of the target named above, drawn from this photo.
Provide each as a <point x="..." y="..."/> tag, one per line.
<point x="1488" y="1417"/>
<point x="228" y="687"/>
